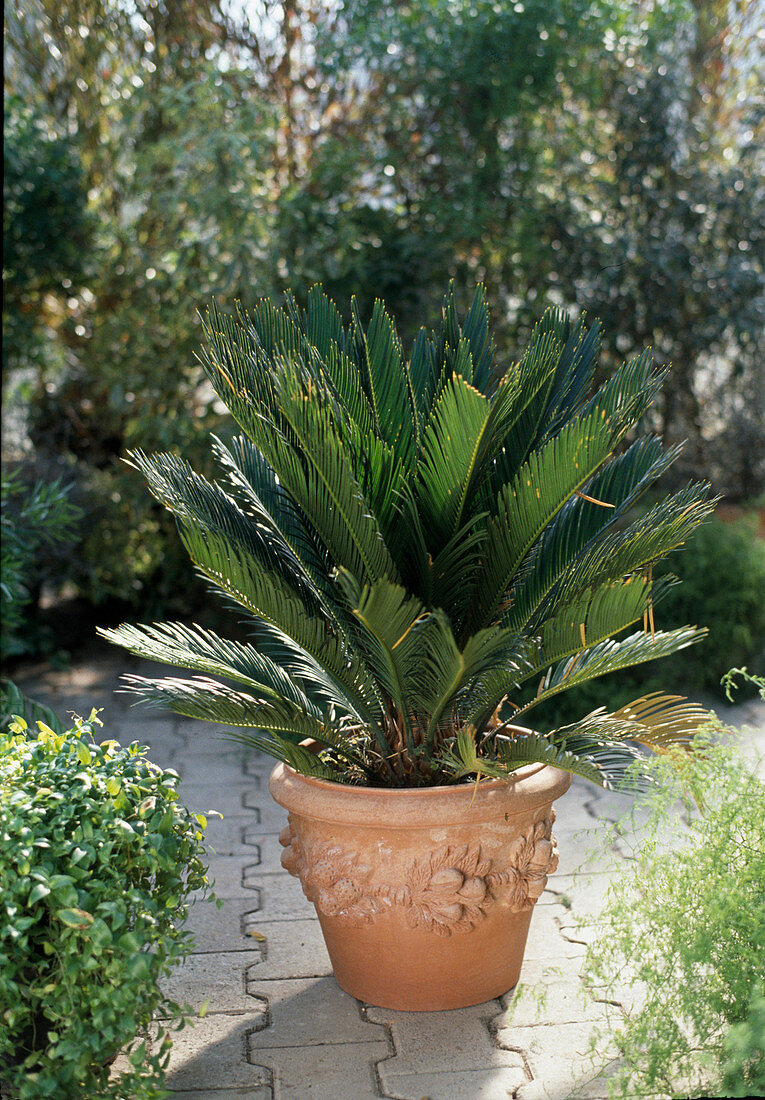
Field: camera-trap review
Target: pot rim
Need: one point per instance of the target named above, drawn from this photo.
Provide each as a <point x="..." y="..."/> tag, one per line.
<point x="402" y="792"/>
<point x="531" y="787"/>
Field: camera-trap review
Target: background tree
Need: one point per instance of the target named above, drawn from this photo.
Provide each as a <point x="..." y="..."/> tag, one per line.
<point x="602" y="155"/>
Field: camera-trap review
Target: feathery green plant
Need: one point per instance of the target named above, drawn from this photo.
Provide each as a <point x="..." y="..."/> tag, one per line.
<point x="413" y="541"/>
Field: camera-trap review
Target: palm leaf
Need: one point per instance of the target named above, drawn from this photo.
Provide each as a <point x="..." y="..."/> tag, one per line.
<point x="298" y="757"/>
<point x="199" y="503"/>
<point x="265" y="596"/>
<point x="450" y="450"/>
<point x="475" y="329"/>
<point x="610" y="656"/>
<point x="204" y="651"/>
<point x="201" y="697"/>
<point x="527" y="505"/>
<point x="387" y="382"/>
<point x="322" y="484"/>
<point x="618" y="553"/>
<point x="574" y="531"/>
<point x="531" y="381"/>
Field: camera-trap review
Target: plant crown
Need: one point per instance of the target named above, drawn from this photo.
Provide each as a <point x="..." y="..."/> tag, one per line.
<point x="416" y="541"/>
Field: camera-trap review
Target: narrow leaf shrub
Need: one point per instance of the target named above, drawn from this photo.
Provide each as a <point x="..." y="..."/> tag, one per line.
<point x="98" y="859"/>
<point x="687" y="924"/>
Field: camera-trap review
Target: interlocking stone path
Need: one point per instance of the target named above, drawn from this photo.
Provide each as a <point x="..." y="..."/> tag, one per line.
<point x="277" y="1026"/>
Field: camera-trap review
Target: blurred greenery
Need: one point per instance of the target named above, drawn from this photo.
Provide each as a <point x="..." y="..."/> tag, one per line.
<point x="598" y="154"/>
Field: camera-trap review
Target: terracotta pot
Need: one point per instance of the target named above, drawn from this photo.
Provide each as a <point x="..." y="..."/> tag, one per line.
<point x="424" y="896"/>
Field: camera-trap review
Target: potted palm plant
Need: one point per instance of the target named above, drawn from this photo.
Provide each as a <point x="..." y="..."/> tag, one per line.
<point x="425" y="550"/>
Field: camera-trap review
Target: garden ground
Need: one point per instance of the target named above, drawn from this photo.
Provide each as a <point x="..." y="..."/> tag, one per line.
<point x="277" y="1027"/>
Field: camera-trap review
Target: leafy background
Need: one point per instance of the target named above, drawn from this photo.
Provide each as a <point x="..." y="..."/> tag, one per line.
<point x="600" y="154"/>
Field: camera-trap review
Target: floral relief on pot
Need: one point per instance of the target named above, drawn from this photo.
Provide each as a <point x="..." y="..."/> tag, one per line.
<point x="449" y="891"/>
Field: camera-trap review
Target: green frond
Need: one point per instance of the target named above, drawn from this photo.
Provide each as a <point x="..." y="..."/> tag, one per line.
<point x="256" y="489"/>
<point x="385" y="614"/>
<point x="531" y="382"/>
<point x="616" y="486"/>
<point x="387" y="382"/>
<point x="607" y="764"/>
<point x="297" y="757"/>
<point x="574" y="373"/>
<point x="324" y="331"/>
<point x="648" y="539"/>
<point x="202" y="505"/>
<point x="451" y="447"/>
<point x="610" y="656"/>
<point x="265" y="596"/>
<point x="475" y="329"/>
<point x="528" y="504"/>
<point x="321" y="482"/>
<point x="630" y="392"/>
<point x="202" y="650"/>
<point x="211" y="701"/>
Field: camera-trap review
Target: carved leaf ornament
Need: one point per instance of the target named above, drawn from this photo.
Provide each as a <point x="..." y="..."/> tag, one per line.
<point x="449" y="891"/>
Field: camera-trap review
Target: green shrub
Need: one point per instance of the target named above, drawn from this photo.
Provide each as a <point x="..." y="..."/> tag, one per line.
<point x="33" y="519"/>
<point x="14" y="705"/>
<point x="98" y="860"/>
<point x="687" y="923"/>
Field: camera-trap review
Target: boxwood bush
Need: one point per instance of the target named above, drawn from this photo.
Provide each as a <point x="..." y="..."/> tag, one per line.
<point x="98" y="859"/>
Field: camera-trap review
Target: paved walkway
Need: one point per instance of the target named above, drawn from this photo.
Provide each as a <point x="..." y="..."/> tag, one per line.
<point x="277" y="1026"/>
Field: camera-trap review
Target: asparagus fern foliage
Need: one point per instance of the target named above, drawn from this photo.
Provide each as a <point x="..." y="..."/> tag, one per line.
<point x="416" y="541"/>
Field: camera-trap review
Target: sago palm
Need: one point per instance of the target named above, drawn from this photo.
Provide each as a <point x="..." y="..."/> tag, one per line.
<point x="418" y="542"/>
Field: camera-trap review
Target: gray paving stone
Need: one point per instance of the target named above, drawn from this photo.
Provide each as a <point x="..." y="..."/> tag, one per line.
<point x="308" y="1012"/>
<point x="270" y="816"/>
<point x="261" y="852"/>
<point x="231" y="836"/>
<point x="477" y="1084"/>
<point x="238" y="876"/>
<point x="264" y="1092"/>
<point x="337" y="1071"/>
<point x="225" y="798"/>
<point x="542" y="998"/>
<point x="211" y="1054"/>
<point x="288" y="948"/>
<point x="579" y="894"/>
<point x="279" y="898"/>
<point x="429" y="1042"/>
<point x="259" y="765"/>
<point x="217" y="979"/>
<point x="220" y="772"/>
<point x="559" y="1056"/>
<point x="545" y="941"/>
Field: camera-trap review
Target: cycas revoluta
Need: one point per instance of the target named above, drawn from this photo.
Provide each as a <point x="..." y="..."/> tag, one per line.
<point x="416" y="541"/>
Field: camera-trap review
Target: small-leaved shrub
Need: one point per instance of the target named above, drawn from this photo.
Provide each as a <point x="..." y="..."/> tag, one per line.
<point x="98" y="860"/>
<point x="687" y="923"/>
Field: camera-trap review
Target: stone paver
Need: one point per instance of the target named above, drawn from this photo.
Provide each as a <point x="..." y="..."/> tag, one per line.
<point x="277" y="1026"/>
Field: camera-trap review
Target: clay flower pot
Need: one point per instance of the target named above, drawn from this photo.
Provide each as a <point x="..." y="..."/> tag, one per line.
<point x="424" y="895"/>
